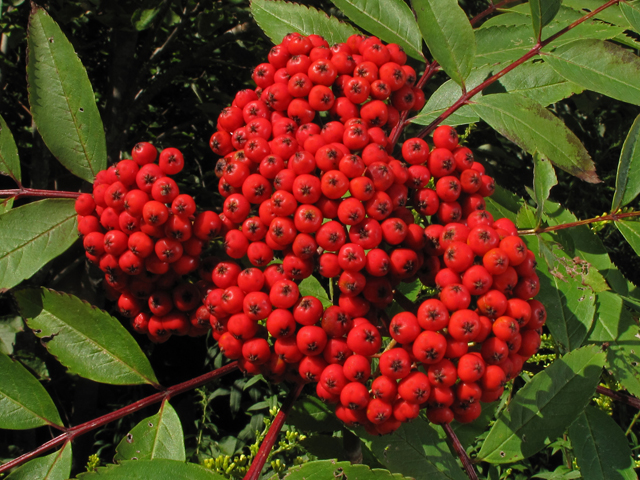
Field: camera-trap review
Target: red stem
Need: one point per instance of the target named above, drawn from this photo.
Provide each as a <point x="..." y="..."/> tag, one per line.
<point x="611" y="217"/>
<point x="462" y="454"/>
<point x="619" y="396"/>
<point x="466" y="96"/>
<point x="32" y="192"/>
<point x="72" y="432"/>
<point x="490" y="10"/>
<point x="272" y="435"/>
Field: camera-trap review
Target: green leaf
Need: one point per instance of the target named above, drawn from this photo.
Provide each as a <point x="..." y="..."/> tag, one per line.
<point x="410" y="290"/>
<point x="86" y="340"/>
<point x="24" y="403"/>
<point x="563" y="292"/>
<point x="449" y="36"/>
<point x="631" y="12"/>
<point x="389" y="20"/>
<point x="327" y="469"/>
<point x="143" y="18"/>
<point x="507" y="43"/>
<point x="526" y="217"/>
<point x="503" y="203"/>
<point x="600" y="447"/>
<point x="544" y="178"/>
<point x="628" y="176"/>
<point x="310" y="286"/>
<point x="447" y="94"/>
<point x="61" y="99"/>
<point x="468" y="433"/>
<point x="9" y="159"/>
<point x="158" y="436"/>
<point x="612" y="14"/>
<point x="544" y="407"/>
<point x="159" y="469"/>
<point x="533" y="128"/>
<point x="6" y="204"/>
<point x="310" y="414"/>
<point x="56" y="466"/>
<point x="537" y="81"/>
<point x="616" y="327"/>
<point x="630" y="231"/>
<point x="32" y="235"/>
<point x="10" y="325"/>
<point x="416" y="449"/>
<point x="277" y="18"/>
<point x="599" y="66"/>
<point x="542" y="12"/>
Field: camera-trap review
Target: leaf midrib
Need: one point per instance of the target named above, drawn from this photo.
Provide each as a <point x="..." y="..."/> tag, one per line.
<point x="94" y="342"/>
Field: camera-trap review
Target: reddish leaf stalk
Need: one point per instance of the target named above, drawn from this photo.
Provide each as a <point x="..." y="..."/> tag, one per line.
<point x="462" y="454"/>
<point x="272" y="435"/>
<point x="72" y="432"/>
<point x="614" y="217"/>
<point x="32" y="192"/>
<point x="619" y="396"/>
<point x="490" y="10"/>
<point x="465" y="97"/>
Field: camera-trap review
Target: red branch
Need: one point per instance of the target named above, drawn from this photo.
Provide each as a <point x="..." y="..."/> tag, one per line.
<point x="32" y="192"/>
<point x="272" y="435"/>
<point x="490" y="10"/>
<point x="73" y="432"/>
<point x="605" y="218"/>
<point x="462" y="454"/>
<point x="466" y="96"/>
<point x="619" y="396"/>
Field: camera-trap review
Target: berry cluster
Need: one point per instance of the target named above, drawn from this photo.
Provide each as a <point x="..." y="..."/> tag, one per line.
<point x="330" y="199"/>
<point x="145" y="236"/>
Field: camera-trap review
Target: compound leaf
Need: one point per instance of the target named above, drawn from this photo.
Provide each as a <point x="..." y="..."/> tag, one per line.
<point x="9" y="159"/>
<point x="533" y="128"/>
<point x="24" y="403"/>
<point x="277" y="18"/>
<point x="416" y="449"/>
<point x="628" y="176"/>
<point x="61" y="99"/>
<point x="389" y="20"/>
<point x="616" y="327"/>
<point x="324" y="469"/>
<point x="599" y="66"/>
<point x="158" y="436"/>
<point x="85" y="339"/>
<point x="448" y="34"/>
<point x="56" y="466"/>
<point x="159" y="469"/>
<point x="544" y="407"/>
<point x="32" y="235"/>
<point x="600" y="447"/>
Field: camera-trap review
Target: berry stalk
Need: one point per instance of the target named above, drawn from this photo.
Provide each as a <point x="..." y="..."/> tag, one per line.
<point x="462" y="454"/>
<point x="72" y="433"/>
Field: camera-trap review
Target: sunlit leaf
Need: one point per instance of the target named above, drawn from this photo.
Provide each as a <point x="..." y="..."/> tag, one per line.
<point x="86" y="340"/>
<point x="390" y="20"/>
<point x="533" y="128"/>
<point x="24" y="403"/>
<point x="61" y="99"/>
<point x="544" y="407"/>
<point x="628" y="176"/>
<point x="32" y="235"/>
<point x="448" y="34"/>
<point x="277" y="18"/>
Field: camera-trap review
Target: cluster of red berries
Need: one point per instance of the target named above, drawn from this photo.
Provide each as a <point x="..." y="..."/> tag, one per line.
<point x="146" y="236"/>
<point x="331" y="198"/>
